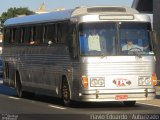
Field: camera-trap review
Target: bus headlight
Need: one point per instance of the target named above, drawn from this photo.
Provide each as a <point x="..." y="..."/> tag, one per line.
<point x="97" y="82"/>
<point x="144" y="81"/>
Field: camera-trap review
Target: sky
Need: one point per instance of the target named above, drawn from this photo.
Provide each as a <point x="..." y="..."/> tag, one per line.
<point x="54" y="4"/>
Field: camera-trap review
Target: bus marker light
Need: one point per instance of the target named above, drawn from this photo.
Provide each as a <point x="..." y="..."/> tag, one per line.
<point x="154" y="79"/>
<point x="85" y="81"/>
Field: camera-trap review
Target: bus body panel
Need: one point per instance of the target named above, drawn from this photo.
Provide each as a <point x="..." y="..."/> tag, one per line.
<point x="122" y="76"/>
<point x="40" y="67"/>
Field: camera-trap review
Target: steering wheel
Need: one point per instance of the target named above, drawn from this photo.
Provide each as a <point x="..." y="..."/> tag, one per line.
<point x="135" y="49"/>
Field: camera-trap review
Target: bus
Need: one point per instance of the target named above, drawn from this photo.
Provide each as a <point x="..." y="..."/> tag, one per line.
<point x="77" y="55"/>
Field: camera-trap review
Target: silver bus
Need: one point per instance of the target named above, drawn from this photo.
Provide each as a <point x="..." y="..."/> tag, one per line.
<point x="90" y="54"/>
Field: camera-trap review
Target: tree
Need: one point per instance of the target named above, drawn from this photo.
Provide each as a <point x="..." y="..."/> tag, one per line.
<point x="14" y="12"/>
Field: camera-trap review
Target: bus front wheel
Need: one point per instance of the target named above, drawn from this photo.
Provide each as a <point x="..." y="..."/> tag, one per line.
<point x="66" y="92"/>
<point x="19" y="89"/>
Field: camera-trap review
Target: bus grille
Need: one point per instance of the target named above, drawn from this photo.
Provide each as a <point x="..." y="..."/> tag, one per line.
<point x="129" y="68"/>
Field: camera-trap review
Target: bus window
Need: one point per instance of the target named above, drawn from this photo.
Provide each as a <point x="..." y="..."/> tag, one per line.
<point x="18" y="35"/>
<point x="27" y="34"/>
<point x="60" y="33"/>
<point x="138" y="34"/>
<point x="100" y="43"/>
<point x="22" y="35"/>
<point x="65" y="31"/>
<point x="50" y="33"/>
<point x="38" y="34"/>
<point x="13" y="36"/>
<point x="7" y="35"/>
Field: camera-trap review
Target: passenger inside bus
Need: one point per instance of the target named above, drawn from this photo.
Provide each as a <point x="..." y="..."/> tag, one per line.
<point x="94" y="41"/>
<point x="84" y="43"/>
<point x="32" y="42"/>
<point x="98" y="42"/>
<point x="132" y="47"/>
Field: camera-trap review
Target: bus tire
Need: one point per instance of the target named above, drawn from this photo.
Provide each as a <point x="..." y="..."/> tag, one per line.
<point x="129" y="103"/>
<point x="19" y="91"/>
<point x="66" y="93"/>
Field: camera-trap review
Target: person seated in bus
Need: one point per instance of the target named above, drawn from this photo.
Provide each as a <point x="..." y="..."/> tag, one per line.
<point x="131" y="46"/>
<point x="32" y="42"/>
<point x="49" y="42"/>
<point x="94" y="41"/>
<point x="103" y="41"/>
<point x="83" y="43"/>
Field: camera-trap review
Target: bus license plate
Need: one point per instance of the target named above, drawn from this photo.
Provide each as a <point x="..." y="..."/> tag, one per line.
<point x="121" y="97"/>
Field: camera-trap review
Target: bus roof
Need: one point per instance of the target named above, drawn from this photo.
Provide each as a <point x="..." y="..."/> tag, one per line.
<point x="68" y="14"/>
<point x="39" y="18"/>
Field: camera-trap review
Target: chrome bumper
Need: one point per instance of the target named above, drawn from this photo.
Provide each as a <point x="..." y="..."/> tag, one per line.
<point x="111" y="95"/>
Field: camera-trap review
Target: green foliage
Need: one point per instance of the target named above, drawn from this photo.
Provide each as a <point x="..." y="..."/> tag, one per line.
<point x="14" y="12"/>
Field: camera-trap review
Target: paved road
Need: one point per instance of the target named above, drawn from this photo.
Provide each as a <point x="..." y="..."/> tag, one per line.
<point x="43" y="108"/>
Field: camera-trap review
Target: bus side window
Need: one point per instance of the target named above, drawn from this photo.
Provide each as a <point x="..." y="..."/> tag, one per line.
<point x="7" y="35"/>
<point x="67" y="36"/>
<point x="32" y="40"/>
<point x="22" y="35"/>
<point x="38" y="34"/>
<point x="64" y="33"/>
<point x="18" y="35"/>
<point x="60" y="33"/>
<point x="27" y="35"/>
<point x="13" y="37"/>
<point x="50" y="33"/>
<point x="45" y="34"/>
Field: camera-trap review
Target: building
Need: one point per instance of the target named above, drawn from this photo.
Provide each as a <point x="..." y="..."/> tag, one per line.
<point x="41" y="9"/>
<point x="144" y="6"/>
<point x="152" y="6"/>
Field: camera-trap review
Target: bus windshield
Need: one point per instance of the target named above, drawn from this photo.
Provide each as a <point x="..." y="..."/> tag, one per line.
<point x="108" y="38"/>
<point x="97" y="38"/>
<point x="135" y="38"/>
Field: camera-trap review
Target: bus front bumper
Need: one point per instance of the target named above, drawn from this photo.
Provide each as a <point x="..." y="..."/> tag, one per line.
<point x="117" y="95"/>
